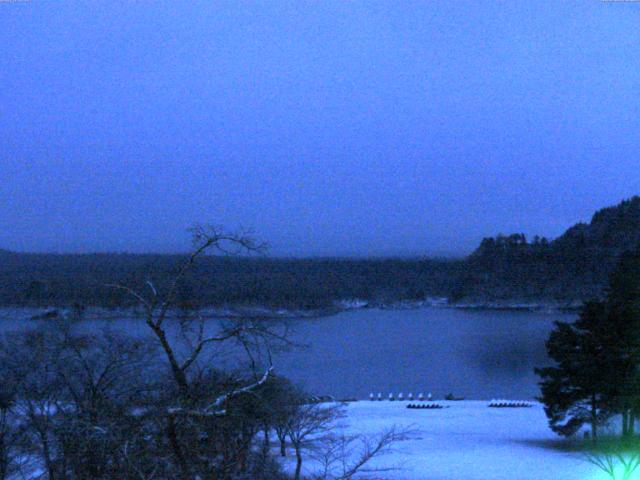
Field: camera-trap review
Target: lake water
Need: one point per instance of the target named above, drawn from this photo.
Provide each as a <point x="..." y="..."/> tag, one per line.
<point x="470" y="353"/>
<point x="475" y="354"/>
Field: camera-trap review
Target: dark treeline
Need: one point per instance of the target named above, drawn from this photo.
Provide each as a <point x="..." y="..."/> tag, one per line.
<point x="572" y="268"/>
<point x="60" y="280"/>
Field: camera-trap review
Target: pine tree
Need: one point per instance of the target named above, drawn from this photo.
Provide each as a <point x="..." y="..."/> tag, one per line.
<point x="577" y="389"/>
<point x="623" y="322"/>
<point x="597" y="358"/>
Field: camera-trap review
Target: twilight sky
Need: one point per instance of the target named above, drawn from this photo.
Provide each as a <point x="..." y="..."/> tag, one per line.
<point x="329" y="128"/>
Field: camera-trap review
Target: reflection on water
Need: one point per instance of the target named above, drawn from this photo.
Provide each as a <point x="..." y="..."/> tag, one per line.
<point x="475" y="354"/>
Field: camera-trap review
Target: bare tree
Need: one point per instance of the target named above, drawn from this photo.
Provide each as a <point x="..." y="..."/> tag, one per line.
<point x="74" y="398"/>
<point x="97" y="405"/>
<point x="157" y="305"/>
<point x="198" y="414"/>
<point x="308" y="424"/>
<point x="105" y="379"/>
<point x="343" y="456"/>
<point x="31" y="361"/>
<point x="281" y="400"/>
<point x="12" y="458"/>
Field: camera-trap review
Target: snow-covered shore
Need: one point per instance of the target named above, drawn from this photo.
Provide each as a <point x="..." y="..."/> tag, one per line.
<point x="469" y="441"/>
<point x="256" y="311"/>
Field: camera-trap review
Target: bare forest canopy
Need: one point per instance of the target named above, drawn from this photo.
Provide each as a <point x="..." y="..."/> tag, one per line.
<point x="508" y="268"/>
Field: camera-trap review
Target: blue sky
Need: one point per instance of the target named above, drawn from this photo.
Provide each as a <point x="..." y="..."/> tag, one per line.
<point x="329" y="128"/>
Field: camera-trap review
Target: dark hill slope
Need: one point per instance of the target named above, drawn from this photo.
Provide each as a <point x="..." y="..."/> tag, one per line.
<point x="573" y="267"/>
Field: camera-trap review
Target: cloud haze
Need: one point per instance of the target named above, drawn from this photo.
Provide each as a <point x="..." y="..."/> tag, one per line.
<point x="329" y="128"/>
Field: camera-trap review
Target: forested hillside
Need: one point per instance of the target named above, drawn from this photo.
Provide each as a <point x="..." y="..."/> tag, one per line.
<point x="575" y="266"/>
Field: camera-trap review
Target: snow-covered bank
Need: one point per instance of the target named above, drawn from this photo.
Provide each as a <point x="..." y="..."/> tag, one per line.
<point x="256" y="311"/>
<point x="469" y="441"/>
<point x="97" y="313"/>
<point x="549" y="307"/>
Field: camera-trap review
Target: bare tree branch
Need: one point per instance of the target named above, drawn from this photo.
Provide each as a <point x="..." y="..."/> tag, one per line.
<point x="140" y="298"/>
<point x="344" y="456"/>
<point x="222" y="399"/>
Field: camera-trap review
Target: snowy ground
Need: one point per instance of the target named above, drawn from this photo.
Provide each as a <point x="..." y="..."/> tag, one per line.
<point x="470" y="441"/>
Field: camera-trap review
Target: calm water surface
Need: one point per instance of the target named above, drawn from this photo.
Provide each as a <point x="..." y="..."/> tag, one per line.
<point x="475" y="354"/>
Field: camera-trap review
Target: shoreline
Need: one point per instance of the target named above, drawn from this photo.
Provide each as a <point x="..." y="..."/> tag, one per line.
<point x="266" y="313"/>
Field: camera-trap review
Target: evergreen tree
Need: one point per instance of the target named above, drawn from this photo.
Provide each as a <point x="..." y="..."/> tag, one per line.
<point x="623" y="323"/>
<point x="577" y="389"/>
<point x="597" y="371"/>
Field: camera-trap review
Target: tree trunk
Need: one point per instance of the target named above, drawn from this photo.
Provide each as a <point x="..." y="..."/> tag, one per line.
<point x="47" y="457"/>
<point x="267" y="442"/>
<point x="283" y="446"/>
<point x="178" y="373"/>
<point x="625" y="423"/>
<point x="594" y="419"/>
<point x="632" y="423"/>
<point x="243" y="450"/>
<point x="4" y="459"/>
<point x="298" y="464"/>
<point x="177" y="450"/>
